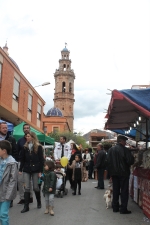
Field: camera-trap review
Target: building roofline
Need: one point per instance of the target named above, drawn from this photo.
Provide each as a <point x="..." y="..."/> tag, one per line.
<point x="19" y="72"/>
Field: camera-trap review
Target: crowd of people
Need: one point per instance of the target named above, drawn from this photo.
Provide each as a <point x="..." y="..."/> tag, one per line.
<point x="23" y="167"/>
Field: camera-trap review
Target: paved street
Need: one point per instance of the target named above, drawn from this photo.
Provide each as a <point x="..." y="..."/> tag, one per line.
<point x="89" y="209"/>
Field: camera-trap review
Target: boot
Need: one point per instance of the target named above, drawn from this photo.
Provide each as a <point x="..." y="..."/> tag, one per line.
<point x="38" y="198"/>
<point x="26" y="204"/>
<point x="11" y="204"/>
<point x="51" y="212"/>
<point x="46" y="211"/>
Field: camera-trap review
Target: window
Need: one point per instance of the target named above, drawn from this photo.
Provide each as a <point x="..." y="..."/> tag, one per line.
<point x="64" y="67"/>
<point x="55" y="129"/>
<point x="0" y="71"/>
<point x="45" y="129"/>
<point x="63" y="87"/>
<point x="29" y="103"/>
<point x="39" y="110"/>
<point x="70" y="87"/>
<point x="16" y="90"/>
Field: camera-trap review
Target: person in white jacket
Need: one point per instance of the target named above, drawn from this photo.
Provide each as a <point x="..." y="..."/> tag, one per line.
<point x="86" y="160"/>
<point x="62" y="149"/>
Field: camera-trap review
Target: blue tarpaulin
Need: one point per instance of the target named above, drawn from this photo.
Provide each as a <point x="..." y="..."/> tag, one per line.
<point x="132" y="133"/>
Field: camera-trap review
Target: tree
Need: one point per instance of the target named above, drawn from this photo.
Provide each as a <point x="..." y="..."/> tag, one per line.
<point x="77" y="138"/>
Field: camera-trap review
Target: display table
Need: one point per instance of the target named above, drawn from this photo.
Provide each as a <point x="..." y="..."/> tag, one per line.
<point x="140" y="189"/>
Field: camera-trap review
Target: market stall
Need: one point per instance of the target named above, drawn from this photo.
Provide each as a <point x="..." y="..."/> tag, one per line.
<point x="44" y="139"/>
<point x="130" y="110"/>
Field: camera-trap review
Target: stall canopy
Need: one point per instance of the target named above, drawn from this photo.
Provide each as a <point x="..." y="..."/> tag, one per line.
<point x="126" y="106"/>
<point x="18" y="133"/>
<point x="10" y="125"/>
<point x="125" y="109"/>
<point x="132" y="133"/>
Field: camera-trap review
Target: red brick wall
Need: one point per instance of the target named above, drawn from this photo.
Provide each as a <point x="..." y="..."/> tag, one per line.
<point x="7" y="83"/>
<point x="6" y="93"/>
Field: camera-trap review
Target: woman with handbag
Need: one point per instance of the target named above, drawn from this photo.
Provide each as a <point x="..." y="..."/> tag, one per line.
<point x="32" y="162"/>
<point x="86" y="159"/>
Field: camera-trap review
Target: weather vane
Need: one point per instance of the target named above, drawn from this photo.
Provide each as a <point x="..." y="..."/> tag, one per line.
<point x="65" y="44"/>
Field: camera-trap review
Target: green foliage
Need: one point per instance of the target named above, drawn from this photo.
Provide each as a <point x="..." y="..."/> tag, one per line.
<point x="107" y="144"/>
<point x="77" y="138"/>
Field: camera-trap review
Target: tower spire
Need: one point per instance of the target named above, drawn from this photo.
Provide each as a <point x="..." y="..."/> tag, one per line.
<point x="64" y="87"/>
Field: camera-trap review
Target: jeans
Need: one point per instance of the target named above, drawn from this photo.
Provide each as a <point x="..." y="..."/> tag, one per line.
<point x="4" y="210"/>
<point x="21" y="185"/>
<point x="49" y="200"/>
<point x="27" y="179"/>
<point x="101" y="178"/>
<point x="91" y="167"/>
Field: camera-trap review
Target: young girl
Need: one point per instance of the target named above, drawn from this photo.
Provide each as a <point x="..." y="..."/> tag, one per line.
<point x="49" y="187"/>
<point x="77" y="166"/>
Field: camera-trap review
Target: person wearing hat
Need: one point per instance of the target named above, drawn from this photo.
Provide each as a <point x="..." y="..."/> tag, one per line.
<point x="119" y="160"/>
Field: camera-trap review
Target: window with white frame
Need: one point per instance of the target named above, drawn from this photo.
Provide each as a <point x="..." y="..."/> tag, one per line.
<point x="39" y="110"/>
<point x="29" y="103"/>
<point x="16" y="90"/>
<point x="0" y="71"/>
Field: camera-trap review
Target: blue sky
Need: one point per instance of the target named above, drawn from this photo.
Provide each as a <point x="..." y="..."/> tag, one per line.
<point x="109" y="43"/>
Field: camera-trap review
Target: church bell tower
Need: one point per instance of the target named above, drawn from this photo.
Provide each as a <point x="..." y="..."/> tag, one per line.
<point x="64" y="87"/>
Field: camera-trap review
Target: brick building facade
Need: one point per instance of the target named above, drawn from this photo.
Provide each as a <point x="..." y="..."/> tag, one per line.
<point x="19" y="101"/>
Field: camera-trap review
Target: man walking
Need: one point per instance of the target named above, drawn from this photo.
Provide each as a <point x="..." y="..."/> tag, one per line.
<point x="119" y="161"/>
<point x="100" y="165"/>
<point x="20" y="144"/>
<point x="62" y="149"/>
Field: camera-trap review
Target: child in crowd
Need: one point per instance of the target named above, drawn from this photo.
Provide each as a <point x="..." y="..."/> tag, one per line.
<point x="59" y="170"/>
<point x="59" y="174"/>
<point x="77" y="166"/>
<point x="8" y="180"/>
<point x="49" y="188"/>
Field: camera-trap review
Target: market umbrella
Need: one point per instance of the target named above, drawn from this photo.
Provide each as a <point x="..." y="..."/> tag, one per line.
<point x="18" y="133"/>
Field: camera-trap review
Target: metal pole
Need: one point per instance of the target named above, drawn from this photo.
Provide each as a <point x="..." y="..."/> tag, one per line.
<point x="146" y="133"/>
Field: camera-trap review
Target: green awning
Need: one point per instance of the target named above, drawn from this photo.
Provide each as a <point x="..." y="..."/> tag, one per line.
<point x="18" y="133"/>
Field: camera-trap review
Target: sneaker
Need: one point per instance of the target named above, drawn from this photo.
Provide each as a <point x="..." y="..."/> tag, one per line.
<point x="21" y="202"/>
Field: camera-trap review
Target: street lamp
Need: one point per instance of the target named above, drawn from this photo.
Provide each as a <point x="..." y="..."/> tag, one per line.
<point x="44" y="84"/>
